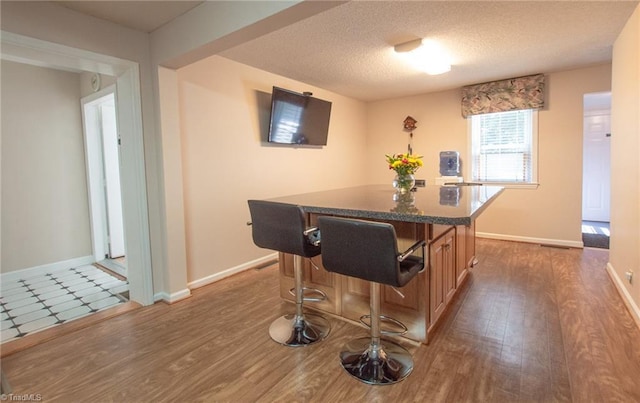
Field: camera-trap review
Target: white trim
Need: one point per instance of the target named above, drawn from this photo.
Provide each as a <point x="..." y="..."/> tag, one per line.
<point x="95" y="96"/>
<point x="229" y="272"/>
<point x="95" y="170"/>
<point x="513" y="185"/>
<point x="186" y="293"/>
<point x="128" y="100"/>
<point x="27" y="50"/>
<point x="46" y="268"/>
<point x="624" y="293"/>
<point x="172" y="298"/>
<point x="542" y="241"/>
<point x="134" y="186"/>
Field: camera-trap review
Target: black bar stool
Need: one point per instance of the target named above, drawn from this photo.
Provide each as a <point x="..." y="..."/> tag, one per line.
<point x="369" y="250"/>
<point x="282" y="227"/>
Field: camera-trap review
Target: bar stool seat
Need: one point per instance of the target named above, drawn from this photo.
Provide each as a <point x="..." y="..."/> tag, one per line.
<point x="369" y="251"/>
<point x="282" y="227"/>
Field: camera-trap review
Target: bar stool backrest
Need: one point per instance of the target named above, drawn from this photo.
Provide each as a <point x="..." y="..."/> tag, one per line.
<point x="366" y="250"/>
<point x="280" y="227"/>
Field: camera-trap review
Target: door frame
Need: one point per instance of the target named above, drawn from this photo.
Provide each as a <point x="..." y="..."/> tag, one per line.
<point x="96" y="165"/>
<point x="23" y="49"/>
<point x="600" y="107"/>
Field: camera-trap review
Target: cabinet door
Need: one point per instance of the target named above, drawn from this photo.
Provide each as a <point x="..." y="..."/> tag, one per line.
<point x="441" y="275"/>
<point x="461" y="254"/>
<point x="437" y="300"/>
<point x="449" y="265"/>
<point x="470" y="244"/>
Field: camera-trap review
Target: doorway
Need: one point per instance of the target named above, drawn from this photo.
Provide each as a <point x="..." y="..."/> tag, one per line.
<point x="128" y="105"/>
<point x="103" y="175"/>
<point x="596" y="169"/>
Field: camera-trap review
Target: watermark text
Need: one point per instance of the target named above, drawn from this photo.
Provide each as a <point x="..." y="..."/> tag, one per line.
<point x="24" y="397"/>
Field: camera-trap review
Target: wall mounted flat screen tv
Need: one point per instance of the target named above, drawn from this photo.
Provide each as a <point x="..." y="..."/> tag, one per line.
<point x="298" y="118"/>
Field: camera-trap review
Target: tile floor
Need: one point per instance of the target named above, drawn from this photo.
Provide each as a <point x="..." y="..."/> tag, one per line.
<point x="41" y="301"/>
<point x="595" y="227"/>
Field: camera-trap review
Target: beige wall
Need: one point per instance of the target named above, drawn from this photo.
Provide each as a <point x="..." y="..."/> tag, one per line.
<point x="379" y="132"/>
<point x="224" y="162"/>
<point x="224" y="112"/>
<point x="552" y="212"/>
<point x="45" y="211"/>
<point x="49" y="22"/>
<point x="203" y="31"/>
<point x="625" y="165"/>
<point x="440" y="128"/>
<point x="175" y="42"/>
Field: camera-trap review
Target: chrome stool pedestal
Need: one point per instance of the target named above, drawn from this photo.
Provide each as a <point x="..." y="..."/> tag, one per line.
<point x="299" y="329"/>
<point x="374" y="360"/>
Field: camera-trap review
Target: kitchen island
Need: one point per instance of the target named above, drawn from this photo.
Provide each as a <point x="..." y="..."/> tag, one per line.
<point x="444" y="216"/>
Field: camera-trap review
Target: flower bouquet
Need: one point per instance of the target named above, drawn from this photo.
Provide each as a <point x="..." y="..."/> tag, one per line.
<point x="405" y="166"/>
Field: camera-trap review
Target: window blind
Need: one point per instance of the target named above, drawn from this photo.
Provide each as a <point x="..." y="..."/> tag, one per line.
<point x="502" y="147"/>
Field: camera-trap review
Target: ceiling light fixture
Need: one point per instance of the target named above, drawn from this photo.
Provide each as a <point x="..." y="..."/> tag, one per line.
<point x="426" y="55"/>
<point x="408" y="46"/>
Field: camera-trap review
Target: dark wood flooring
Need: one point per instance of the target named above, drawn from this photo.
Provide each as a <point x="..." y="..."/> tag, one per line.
<point x="531" y="324"/>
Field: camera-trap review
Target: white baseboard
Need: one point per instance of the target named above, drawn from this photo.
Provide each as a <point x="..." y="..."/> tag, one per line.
<point x="229" y="272"/>
<point x="624" y="293"/>
<point x="542" y="241"/>
<point x="173" y="297"/>
<point x="186" y="293"/>
<point x="46" y="268"/>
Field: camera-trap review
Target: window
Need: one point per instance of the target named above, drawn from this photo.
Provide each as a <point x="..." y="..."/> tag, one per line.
<point x="504" y="147"/>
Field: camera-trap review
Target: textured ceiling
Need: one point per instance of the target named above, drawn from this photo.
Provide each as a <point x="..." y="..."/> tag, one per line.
<point x="348" y="49"/>
<point x="145" y="16"/>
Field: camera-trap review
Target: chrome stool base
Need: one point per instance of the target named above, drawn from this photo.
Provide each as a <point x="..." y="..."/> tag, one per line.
<point x="393" y="362"/>
<point x="311" y="329"/>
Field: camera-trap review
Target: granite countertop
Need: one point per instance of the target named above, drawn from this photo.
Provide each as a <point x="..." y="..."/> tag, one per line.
<point x="448" y="205"/>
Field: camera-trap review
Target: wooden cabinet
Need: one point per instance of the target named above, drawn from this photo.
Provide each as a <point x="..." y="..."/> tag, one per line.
<point x="461" y="255"/>
<point x="442" y="274"/>
<point x="470" y="244"/>
<point x="465" y="251"/>
<point x="420" y="303"/>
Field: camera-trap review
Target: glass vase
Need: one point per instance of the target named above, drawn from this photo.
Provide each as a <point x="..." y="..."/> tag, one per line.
<point x="404" y="183"/>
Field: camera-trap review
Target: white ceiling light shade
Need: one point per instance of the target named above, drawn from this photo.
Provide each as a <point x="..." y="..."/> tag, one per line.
<point x="425" y="54"/>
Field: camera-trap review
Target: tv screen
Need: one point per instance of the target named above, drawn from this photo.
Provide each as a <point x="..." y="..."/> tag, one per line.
<point x="298" y="118"/>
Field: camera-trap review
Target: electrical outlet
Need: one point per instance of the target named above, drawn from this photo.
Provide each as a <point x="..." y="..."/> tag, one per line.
<point x="629" y="276"/>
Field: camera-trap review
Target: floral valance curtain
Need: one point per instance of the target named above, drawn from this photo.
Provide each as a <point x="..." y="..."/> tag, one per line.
<point x="504" y="95"/>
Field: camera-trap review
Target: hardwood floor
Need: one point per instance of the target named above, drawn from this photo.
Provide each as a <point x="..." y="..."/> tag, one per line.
<point x="532" y="324"/>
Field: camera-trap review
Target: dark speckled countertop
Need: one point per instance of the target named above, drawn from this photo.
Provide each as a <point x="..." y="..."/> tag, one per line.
<point x="448" y="205"/>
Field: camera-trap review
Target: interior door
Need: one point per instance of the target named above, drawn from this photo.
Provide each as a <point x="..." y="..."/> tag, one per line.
<point x="103" y="174"/>
<point x="112" y="180"/>
<point x="596" y="177"/>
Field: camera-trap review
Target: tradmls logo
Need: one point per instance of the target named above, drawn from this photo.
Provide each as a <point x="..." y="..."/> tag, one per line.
<point x="27" y="397"/>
